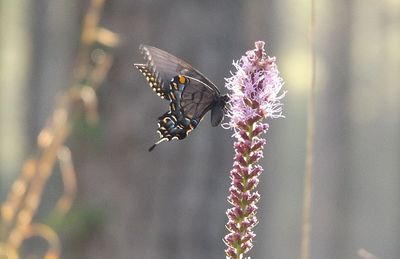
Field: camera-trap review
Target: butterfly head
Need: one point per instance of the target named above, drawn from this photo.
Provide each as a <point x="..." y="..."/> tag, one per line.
<point x="221" y="101"/>
<point x="224" y="99"/>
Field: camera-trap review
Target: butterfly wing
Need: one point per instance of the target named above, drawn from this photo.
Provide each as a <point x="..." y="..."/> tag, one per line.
<point x="190" y="93"/>
<point x="166" y="66"/>
<point x="154" y="81"/>
<point x="190" y="99"/>
<point x="197" y="99"/>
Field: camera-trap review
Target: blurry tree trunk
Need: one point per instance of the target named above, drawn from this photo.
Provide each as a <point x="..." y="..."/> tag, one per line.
<point x="15" y="52"/>
<point x="331" y="232"/>
<point x="375" y="167"/>
<point x="55" y="30"/>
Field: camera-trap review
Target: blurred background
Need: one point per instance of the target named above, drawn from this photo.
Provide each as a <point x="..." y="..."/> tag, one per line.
<point x="171" y="203"/>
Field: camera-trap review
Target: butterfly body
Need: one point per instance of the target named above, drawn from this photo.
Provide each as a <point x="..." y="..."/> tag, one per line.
<point x="191" y="94"/>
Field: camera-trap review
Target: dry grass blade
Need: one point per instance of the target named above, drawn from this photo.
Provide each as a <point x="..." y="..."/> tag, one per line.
<point x="69" y="180"/>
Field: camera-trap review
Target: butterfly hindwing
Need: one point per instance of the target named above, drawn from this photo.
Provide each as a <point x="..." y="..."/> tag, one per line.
<point x="176" y="124"/>
<point x="169" y="127"/>
<point x="197" y="98"/>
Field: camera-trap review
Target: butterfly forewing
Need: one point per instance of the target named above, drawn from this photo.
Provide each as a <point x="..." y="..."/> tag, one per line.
<point x="167" y="66"/>
<point x="151" y="77"/>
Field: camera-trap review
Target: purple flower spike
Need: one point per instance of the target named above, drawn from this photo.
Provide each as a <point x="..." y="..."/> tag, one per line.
<point x="254" y="95"/>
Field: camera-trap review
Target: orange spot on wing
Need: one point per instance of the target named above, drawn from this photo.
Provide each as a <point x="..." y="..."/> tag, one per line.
<point x="182" y="79"/>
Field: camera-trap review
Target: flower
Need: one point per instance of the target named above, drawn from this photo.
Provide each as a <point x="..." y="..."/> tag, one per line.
<point x="254" y="95"/>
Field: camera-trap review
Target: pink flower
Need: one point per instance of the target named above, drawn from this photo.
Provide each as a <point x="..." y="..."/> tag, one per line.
<point x="255" y="94"/>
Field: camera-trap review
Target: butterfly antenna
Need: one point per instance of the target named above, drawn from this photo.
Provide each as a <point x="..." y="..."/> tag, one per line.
<point x="155" y="144"/>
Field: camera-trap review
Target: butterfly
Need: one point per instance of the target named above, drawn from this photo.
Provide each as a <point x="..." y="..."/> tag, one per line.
<point x="190" y="94"/>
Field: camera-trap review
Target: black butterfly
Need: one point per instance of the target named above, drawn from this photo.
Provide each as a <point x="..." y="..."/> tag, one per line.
<point x="191" y="94"/>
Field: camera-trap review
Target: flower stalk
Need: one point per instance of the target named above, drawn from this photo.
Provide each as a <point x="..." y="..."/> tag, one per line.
<point x="254" y="95"/>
